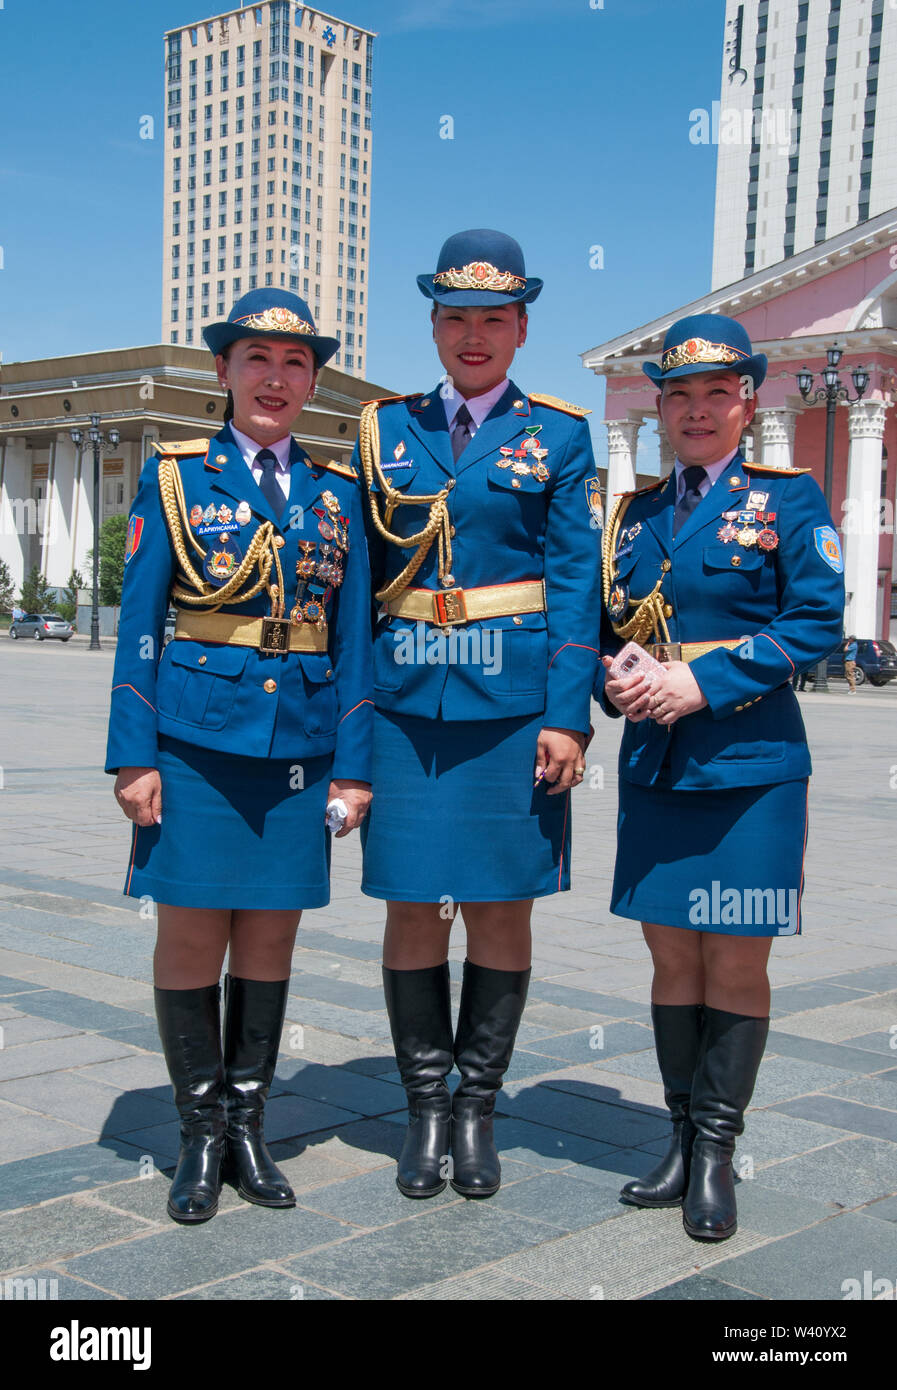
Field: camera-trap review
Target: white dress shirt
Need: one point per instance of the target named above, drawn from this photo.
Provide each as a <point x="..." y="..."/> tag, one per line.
<point x="281" y="450"/>
<point x="713" y="470"/>
<point x="479" y="406"/>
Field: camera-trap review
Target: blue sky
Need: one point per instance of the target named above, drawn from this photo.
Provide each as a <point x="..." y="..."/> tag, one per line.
<point x="571" y="130"/>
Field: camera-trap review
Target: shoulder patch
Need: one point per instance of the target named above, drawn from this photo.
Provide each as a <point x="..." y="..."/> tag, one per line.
<point x="182" y="448"/>
<point x="773" y="471"/>
<point x="555" y="403"/>
<point x="345" y="470"/>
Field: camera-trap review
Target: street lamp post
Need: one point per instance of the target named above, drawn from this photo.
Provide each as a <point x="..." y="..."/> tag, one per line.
<point x="831" y="392"/>
<point x="99" y="442"/>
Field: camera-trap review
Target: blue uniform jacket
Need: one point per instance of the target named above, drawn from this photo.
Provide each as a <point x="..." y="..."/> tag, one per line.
<point x="507" y="527"/>
<point x="787" y="602"/>
<point x="214" y="695"/>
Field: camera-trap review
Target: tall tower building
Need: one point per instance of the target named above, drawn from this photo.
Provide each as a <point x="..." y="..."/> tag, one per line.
<point x="806" y="127"/>
<point x="267" y="169"/>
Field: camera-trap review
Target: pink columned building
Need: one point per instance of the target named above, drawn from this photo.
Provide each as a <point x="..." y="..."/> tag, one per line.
<point x="841" y="293"/>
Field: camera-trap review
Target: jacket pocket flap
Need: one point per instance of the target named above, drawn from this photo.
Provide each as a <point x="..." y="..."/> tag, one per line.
<point x="724" y="557"/>
<point x="316" y="666"/>
<point x="215" y="661"/>
<point x="397" y="475"/>
<point x="509" y="481"/>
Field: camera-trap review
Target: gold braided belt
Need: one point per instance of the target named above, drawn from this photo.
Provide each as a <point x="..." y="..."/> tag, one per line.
<point x="454" y="606"/>
<point x="265" y="634"/>
<point x="690" y="651"/>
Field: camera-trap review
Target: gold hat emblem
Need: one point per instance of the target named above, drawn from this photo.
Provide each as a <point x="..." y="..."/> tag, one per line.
<point x="699" y="350"/>
<point x="277" y="320"/>
<point x="479" y="275"/>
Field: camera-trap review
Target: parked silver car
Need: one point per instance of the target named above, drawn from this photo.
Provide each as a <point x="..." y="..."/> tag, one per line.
<point x="42" y="626"/>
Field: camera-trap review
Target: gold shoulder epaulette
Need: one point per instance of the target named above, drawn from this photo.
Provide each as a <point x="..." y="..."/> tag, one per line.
<point x="648" y="487"/>
<point x="771" y="468"/>
<point x="390" y="400"/>
<point x="182" y="447"/>
<point x="557" y="404"/>
<point x="345" y="470"/>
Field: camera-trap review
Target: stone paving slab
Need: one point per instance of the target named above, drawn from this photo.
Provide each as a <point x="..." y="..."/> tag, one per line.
<point x="580" y="1114"/>
<point x="815" y="1263"/>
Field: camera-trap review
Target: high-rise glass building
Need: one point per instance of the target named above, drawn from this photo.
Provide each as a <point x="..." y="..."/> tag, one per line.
<point x="267" y="169"/>
<point x="807" y="127"/>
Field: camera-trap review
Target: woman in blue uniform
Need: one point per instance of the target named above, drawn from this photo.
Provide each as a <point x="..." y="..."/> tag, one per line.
<point x="486" y="568"/>
<point x="731" y="574"/>
<point x="229" y="744"/>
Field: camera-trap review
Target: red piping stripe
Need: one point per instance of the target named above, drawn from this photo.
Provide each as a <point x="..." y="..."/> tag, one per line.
<point x="125" y="686"/>
<point x="803" y="858"/>
<point x="583" y="646"/>
<point x="563" y="840"/>
<point x="133" y="854"/>
<point x="781" y="649"/>
<point x="355" y="707"/>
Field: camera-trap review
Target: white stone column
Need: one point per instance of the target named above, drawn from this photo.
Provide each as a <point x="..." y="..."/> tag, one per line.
<point x="777" y="425"/>
<point x="57" y="527"/>
<point x="18" y="512"/>
<point x="667" y="452"/>
<point x="860" y="524"/>
<point x="622" y="444"/>
<point x="82" y="509"/>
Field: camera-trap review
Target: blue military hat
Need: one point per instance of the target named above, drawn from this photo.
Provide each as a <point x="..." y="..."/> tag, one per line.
<point x="707" y="343"/>
<point x="480" y="267"/>
<point x="268" y="314"/>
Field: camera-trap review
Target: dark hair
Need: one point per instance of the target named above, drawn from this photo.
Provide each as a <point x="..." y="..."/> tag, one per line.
<point x="229" y="403"/>
<point x="522" y="309"/>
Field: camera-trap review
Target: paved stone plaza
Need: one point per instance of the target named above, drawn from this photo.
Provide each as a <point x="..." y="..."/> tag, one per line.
<point x="88" y="1132"/>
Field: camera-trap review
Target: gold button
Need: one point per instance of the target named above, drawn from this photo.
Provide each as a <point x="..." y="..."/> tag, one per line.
<point x="279" y="542"/>
<point x="448" y="581"/>
<point x="739" y="708"/>
<point x="736" y="560"/>
<point x="518" y="621"/>
<point x="733" y="482"/>
<point x="389" y="482"/>
<point x="668" y="610"/>
<point x="270" y="686"/>
<point x="221" y="458"/>
<point x="451" y="531"/>
<point x="328" y="674"/>
<point x="202" y="660"/>
<point x="450" y="483"/>
<point x="666" y="566"/>
<point x="518" y="405"/>
<point x="515" y="482"/>
<point x="425" y="402"/>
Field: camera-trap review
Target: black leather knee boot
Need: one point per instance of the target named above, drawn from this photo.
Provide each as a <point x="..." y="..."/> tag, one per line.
<point x="253" y="1022"/>
<point x="420" y="1017"/>
<point x="677" y="1036"/>
<point x="731" y="1051"/>
<point x="491" y="1007"/>
<point x="190" y="1028"/>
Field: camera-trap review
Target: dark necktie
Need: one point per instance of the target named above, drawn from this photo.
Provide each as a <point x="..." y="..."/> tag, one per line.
<point x="269" y="486"/>
<point x="461" y="432"/>
<point x="692" y="476"/>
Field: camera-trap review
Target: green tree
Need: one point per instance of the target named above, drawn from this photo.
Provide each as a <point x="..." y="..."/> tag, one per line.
<point x="68" y="604"/>
<point x="113" y="535"/>
<point x="7" y="588"/>
<point x="37" y="595"/>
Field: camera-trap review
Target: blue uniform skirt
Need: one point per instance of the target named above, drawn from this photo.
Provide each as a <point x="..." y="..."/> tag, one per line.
<point x="235" y="832"/>
<point x="455" y="813"/>
<point x="727" y="861"/>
